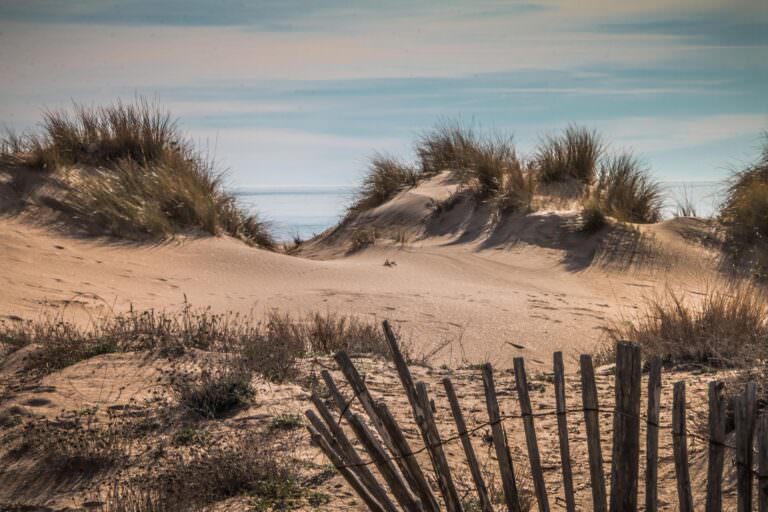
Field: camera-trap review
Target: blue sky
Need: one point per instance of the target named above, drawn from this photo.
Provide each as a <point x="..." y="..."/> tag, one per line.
<point x="300" y="93"/>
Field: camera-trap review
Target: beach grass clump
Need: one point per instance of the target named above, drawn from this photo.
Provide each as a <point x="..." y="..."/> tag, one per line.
<point x="127" y="171"/>
<point x="449" y="146"/>
<point x="745" y="212"/>
<point x="626" y="191"/>
<point x="386" y="176"/>
<point x="218" y="389"/>
<point x="726" y="327"/>
<point x="572" y="155"/>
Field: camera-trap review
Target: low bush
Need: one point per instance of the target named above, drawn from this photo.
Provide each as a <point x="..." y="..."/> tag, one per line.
<point x="130" y="174"/>
<point x="592" y="217"/>
<point x="572" y="155"/>
<point x="626" y="191"/>
<point x="362" y="238"/>
<point x="217" y="390"/>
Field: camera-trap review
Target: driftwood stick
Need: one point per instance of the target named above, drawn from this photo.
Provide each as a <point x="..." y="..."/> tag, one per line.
<point x="537" y="474"/>
<point x="350" y="477"/>
<point x="506" y="467"/>
<point x="562" y="432"/>
<point x="469" y="451"/>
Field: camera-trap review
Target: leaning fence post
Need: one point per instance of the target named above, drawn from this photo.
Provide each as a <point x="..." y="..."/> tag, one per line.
<point x="348" y="452"/>
<point x="680" y="448"/>
<point x="469" y="451"/>
<point x="589" y="400"/>
<point x="500" y="442"/>
<point x="625" y="459"/>
<point x="530" y="434"/>
<point x="716" y="448"/>
<point x="652" y="435"/>
<point x="351" y="479"/>
<point x="562" y="432"/>
<point x="745" y="405"/>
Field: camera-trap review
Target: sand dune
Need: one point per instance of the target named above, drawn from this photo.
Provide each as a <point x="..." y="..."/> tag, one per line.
<point x="531" y="281"/>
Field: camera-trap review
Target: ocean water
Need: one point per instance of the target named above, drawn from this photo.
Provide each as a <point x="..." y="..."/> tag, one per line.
<point x="307" y="211"/>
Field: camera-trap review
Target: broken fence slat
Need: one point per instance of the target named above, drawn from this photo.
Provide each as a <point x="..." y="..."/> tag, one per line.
<point x="652" y="436"/>
<point x="590" y="404"/>
<point x="680" y="448"/>
<point x="745" y="408"/>
<point x="716" y="458"/>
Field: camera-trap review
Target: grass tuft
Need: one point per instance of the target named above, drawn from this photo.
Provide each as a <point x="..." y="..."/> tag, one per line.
<point x="572" y="155"/>
<point x="217" y="390"/>
<point x="127" y="172"/>
<point x="626" y="191"/>
<point x="386" y="176"/>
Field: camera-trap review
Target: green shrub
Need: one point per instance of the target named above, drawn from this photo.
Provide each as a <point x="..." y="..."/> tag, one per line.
<point x="625" y="190"/>
<point x="573" y="155"/>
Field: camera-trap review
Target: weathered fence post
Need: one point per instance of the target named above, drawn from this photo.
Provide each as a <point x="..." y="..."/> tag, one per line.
<point x="506" y="468"/>
<point x="680" y="448"/>
<point x="652" y="435"/>
<point x="745" y="405"/>
<point x="562" y="432"/>
<point x="716" y="450"/>
<point x="589" y="401"/>
<point x="526" y="410"/>
<point x="625" y="460"/>
<point x="469" y="451"/>
<point x="762" y="463"/>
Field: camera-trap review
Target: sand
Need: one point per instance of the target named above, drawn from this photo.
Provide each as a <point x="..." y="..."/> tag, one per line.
<point x="478" y="290"/>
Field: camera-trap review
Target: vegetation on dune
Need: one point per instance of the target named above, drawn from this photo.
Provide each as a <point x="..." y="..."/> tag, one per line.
<point x="572" y="155"/>
<point x="386" y="176"/>
<point x="745" y="213"/>
<point x="450" y="145"/>
<point x="727" y="327"/>
<point x="128" y="172"/>
<point x="626" y="191"/>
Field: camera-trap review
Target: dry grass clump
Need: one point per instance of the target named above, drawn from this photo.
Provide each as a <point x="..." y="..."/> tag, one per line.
<point x="217" y="390"/>
<point x="626" y="191"/>
<point x="269" y="347"/>
<point x="249" y="466"/>
<point x="449" y="146"/>
<point x="130" y="173"/>
<point x="572" y="155"/>
<point x="386" y="177"/>
<point x="727" y="326"/>
<point x="745" y="213"/>
<point x="77" y="441"/>
<point x="362" y="238"/>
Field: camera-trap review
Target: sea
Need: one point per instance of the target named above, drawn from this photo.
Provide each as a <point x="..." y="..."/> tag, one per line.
<point x="306" y="211"/>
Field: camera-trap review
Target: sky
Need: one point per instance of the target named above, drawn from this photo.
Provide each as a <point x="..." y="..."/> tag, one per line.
<point x="301" y="93"/>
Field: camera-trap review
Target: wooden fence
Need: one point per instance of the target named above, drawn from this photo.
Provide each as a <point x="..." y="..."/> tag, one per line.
<point x="408" y="489"/>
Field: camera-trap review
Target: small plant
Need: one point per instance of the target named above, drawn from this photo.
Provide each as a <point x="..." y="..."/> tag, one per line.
<point x="286" y="422"/>
<point x="573" y="155"/>
<point x="216" y="391"/>
<point x="449" y="146"/>
<point x="362" y="238"/>
<point x="187" y="436"/>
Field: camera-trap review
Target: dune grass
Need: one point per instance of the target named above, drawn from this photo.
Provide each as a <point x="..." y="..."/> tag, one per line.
<point x="726" y="327"/>
<point x="626" y="191"/>
<point x="128" y="172"/>
<point x="386" y="176"/>
<point x="572" y="155"/>
<point x="744" y="213"/>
